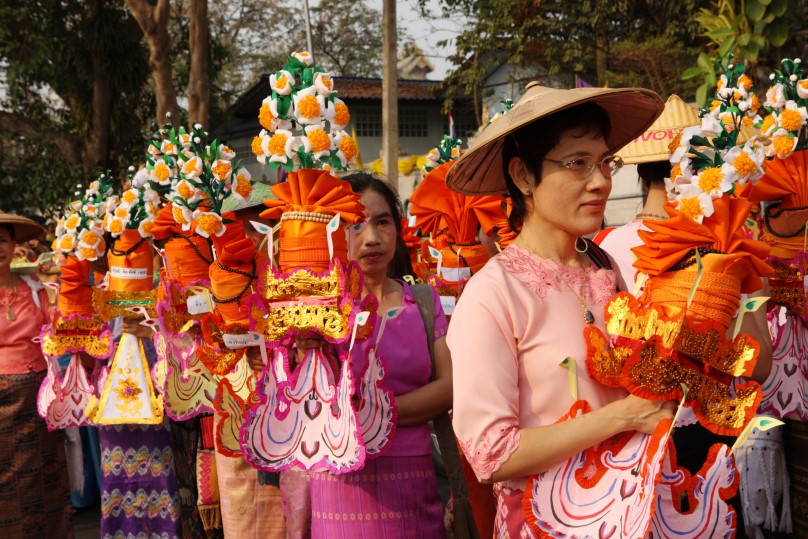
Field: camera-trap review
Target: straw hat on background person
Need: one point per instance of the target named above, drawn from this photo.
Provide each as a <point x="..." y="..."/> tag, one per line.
<point x="653" y="144"/>
<point x="24" y="229"/>
<point x="479" y="171"/>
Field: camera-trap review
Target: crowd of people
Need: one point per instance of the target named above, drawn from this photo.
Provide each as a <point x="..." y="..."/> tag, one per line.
<point x="536" y="351"/>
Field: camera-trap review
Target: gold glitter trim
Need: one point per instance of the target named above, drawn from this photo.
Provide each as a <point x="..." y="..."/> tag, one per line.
<point x="626" y="317"/>
<point x="59" y="345"/>
<point x="787" y="287"/>
<point x="77" y="323"/>
<point x="173" y="310"/>
<point x="604" y="362"/>
<point x="107" y="310"/>
<point x="301" y="283"/>
<point x="335" y="293"/>
<point x="652" y="375"/>
<point x="330" y="321"/>
<point x="219" y="360"/>
<point x="648" y="371"/>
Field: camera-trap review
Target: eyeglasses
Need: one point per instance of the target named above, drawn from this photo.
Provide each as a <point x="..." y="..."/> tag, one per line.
<point x="584" y="166"/>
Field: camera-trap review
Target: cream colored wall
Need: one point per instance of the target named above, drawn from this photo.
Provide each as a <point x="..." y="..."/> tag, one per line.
<point x="625" y="200"/>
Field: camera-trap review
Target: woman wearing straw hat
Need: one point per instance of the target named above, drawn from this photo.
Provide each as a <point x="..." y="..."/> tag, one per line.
<point x="34" y="498"/>
<point x="526" y="310"/>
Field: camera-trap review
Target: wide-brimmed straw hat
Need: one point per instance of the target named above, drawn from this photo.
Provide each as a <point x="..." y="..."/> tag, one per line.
<point x="652" y="145"/>
<point x="479" y="171"/>
<point x="24" y="229"/>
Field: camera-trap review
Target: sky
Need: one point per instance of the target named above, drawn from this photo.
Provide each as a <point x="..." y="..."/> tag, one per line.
<point x="426" y="33"/>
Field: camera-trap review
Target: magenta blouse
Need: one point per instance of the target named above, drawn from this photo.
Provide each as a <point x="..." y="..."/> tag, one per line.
<point x="407" y="365"/>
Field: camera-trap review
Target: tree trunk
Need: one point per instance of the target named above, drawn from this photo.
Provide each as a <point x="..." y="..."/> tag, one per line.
<point x="153" y="20"/>
<point x="475" y="97"/>
<point x="390" y="94"/>
<point x="600" y="55"/>
<point x="199" y="45"/>
<point x="70" y="146"/>
<point x="96" y="151"/>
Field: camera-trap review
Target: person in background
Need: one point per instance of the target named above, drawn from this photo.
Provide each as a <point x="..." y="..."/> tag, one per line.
<point x="250" y="499"/>
<point x="34" y="498"/>
<point x="396" y="494"/>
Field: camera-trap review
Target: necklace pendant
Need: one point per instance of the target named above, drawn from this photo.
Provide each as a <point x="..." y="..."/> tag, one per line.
<point x="589" y="318"/>
<point x="10" y="315"/>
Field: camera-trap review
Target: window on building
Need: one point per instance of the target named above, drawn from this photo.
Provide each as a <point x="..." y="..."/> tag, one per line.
<point x="412" y="122"/>
<point x="367" y="121"/>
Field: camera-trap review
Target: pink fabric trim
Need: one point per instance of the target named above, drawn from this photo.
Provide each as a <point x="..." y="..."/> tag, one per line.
<point x="541" y="274"/>
<point x="493" y="449"/>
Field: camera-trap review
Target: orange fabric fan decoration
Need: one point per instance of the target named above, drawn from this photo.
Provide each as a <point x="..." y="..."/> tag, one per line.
<point x="412" y="241"/>
<point x="165" y="225"/>
<point x="435" y="206"/>
<point x="672" y="240"/>
<point x="304" y="204"/>
<point x="233" y="231"/>
<point x="230" y="279"/>
<point x="75" y="292"/>
<point x="131" y="265"/>
<point x="188" y="254"/>
<point x="783" y="223"/>
<point x="785" y="179"/>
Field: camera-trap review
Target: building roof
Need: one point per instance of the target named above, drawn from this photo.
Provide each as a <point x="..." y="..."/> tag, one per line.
<point x="412" y="64"/>
<point x="348" y="88"/>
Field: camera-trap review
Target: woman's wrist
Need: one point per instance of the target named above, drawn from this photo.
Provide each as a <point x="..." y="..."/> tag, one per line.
<point x="615" y="415"/>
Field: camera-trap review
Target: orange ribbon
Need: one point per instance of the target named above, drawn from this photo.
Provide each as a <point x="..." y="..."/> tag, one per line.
<point x="132" y="254"/>
<point x="671" y="242"/>
<point x="318" y="195"/>
<point x="75" y="292"/>
<point x="435" y="207"/>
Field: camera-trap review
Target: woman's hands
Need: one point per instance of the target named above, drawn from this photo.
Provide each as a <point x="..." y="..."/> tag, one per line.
<point x="636" y="413"/>
<point x="541" y="448"/>
<point x="254" y="358"/>
<point x="134" y="327"/>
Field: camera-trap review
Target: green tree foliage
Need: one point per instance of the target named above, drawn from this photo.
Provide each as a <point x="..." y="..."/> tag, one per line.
<point x="617" y="43"/>
<point x="752" y="30"/>
<point x="75" y="80"/>
<point x="346" y="36"/>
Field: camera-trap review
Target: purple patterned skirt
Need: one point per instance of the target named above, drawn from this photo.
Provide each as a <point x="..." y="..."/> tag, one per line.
<point x="139" y="496"/>
<point x="391" y="497"/>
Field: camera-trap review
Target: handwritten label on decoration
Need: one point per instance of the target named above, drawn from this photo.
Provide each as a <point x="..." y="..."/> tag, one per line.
<point x="233" y="341"/>
<point x="129" y="273"/>
<point x="448" y="303"/>
<point x="198" y="304"/>
<point x="455" y="274"/>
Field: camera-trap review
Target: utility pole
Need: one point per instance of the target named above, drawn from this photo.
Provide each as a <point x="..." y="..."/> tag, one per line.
<point x="390" y="93"/>
<point x="308" y="27"/>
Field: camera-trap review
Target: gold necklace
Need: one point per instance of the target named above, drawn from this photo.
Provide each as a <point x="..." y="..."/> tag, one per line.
<point x="589" y="318"/>
<point x="10" y="316"/>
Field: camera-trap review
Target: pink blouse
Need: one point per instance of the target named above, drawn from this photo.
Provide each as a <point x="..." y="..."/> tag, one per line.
<point x="18" y="353"/>
<point x="618" y="244"/>
<point x="516" y="321"/>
